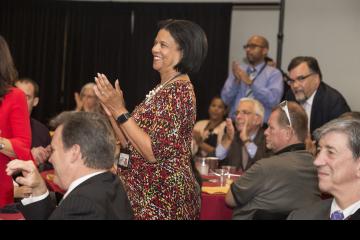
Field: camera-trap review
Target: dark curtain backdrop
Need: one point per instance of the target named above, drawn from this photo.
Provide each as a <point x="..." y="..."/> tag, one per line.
<point x="98" y="40"/>
<point x="35" y="34"/>
<point x="62" y="45"/>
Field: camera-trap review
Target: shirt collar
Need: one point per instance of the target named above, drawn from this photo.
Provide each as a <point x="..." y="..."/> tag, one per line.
<point x="310" y="100"/>
<point x="252" y="136"/>
<point x="350" y="210"/>
<point x="80" y="180"/>
<point x="259" y="66"/>
<point x="291" y="148"/>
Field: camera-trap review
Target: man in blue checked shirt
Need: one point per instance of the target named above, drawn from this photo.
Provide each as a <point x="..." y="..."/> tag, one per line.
<point x="256" y="80"/>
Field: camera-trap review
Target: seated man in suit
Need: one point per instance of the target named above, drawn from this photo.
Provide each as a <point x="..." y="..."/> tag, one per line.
<point x="242" y="148"/>
<point x="40" y="137"/>
<point x="321" y="102"/>
<point x="82" y="154"/>
<point x="285" y="181"/>
<point x="338" y="165"/>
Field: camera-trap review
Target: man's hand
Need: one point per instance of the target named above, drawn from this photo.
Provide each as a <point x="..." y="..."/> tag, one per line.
<point x="244" y="134"/>
<point x="230" y="133"/>
<point x="79" y="102"/>
<point x="41" y="154"/>
<point x="240" y="74"/>
<point x="31" y="176"/>
<point x="22" y="191"/>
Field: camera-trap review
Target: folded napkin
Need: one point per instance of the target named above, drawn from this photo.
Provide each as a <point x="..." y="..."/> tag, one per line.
<point x="217" y="189"/>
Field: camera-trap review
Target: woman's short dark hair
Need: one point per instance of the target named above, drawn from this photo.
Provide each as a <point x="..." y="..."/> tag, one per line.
<point x="192" y="41"/>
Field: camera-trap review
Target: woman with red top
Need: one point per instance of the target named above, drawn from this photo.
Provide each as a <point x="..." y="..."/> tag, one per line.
<point x="156" y="169"/>
<point x="15" y="133"/>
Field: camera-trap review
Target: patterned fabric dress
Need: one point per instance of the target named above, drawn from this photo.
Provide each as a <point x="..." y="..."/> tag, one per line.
<point x="165" y="189"/>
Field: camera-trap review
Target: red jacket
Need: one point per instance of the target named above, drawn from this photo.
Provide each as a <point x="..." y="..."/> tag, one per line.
<point x="15" y="126"/>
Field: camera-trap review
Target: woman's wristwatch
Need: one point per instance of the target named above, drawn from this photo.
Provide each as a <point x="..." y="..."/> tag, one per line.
<point x="123" y="117"/>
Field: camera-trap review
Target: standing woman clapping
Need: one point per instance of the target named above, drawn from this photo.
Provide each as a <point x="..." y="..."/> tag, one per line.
<point x="156" y="168"/>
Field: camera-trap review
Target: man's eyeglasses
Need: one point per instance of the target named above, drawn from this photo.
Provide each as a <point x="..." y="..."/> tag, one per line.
<point x="243" y="112"/>
<point x="252" y="46"/>
<point x="284" y="107"/>
<point x="299" y="78"/>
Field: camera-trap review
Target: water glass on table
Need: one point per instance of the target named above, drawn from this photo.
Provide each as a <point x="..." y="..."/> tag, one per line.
<point x="202" y="166"/>
<point x="223" y="174"/>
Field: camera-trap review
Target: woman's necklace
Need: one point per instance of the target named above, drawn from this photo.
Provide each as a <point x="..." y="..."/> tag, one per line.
<point x="158" y="88"/>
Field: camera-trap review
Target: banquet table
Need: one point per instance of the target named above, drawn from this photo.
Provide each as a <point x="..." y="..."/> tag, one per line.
<point x="213" y="206"/>
<point x="11" y="216"/>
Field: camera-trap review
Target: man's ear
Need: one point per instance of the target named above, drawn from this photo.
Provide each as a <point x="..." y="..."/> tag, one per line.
<point x="36" y="101"/>
<point x="76" y="152"/>
<point x="265" y="51"/>
<point x="357" y="167"/>
<point x="288" y="133"/>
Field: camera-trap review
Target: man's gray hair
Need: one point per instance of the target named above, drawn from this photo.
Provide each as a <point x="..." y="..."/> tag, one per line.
<point x="349" y="127"/>
<point x="93" y="133"/>
<point x="258" y="107"/>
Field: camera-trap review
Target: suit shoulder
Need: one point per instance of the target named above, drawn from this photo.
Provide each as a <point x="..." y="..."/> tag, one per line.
<point x="316" y="211"/>
<point x="329" y="91"/>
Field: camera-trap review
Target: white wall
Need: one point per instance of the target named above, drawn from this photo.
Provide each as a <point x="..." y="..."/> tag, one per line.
<point x="330" y="31"/>
<point x="246" y="22"/>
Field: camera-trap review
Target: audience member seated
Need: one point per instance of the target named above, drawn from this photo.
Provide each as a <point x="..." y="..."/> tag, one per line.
<point x="285" y="181"/>
<point x="93" y="192"/>
<point x="321" y="102"/>
<point x="243" y="147"/>
<point x="41" y="139"/>
<point x="338" y="167"/>
<point x="257" y="80"/>
<point x="207" y="134"/>
<point x="87" y="100"/>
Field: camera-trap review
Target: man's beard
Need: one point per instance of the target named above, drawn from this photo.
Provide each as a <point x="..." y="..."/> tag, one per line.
<point x="301" y="98"/>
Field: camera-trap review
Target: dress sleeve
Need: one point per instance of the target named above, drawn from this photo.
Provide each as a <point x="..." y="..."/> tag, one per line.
<point x="171" y="132"/>
<point x="20" y="126"/>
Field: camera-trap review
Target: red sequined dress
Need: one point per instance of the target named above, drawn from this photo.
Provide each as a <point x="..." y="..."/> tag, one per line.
<point x="165" y="189"/>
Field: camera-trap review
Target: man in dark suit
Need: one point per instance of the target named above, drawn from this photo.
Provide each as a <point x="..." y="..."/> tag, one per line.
<point x="83" y="148"/>
<point x="40" y="137"/>
<point x="242" y="148"/>
<point x="321" y="102"/>
<point x="338" y="167"/>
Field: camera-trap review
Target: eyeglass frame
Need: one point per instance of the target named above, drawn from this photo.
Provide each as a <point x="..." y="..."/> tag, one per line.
<point x="252" y="46"/>
<point x="244" y="112"/>
<point x="284" y="106"/>
<point x="300" y="78"/>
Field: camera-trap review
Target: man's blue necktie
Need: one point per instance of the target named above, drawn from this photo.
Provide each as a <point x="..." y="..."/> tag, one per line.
<point x="252" y="74"/>
<point x="337" y="215"/>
